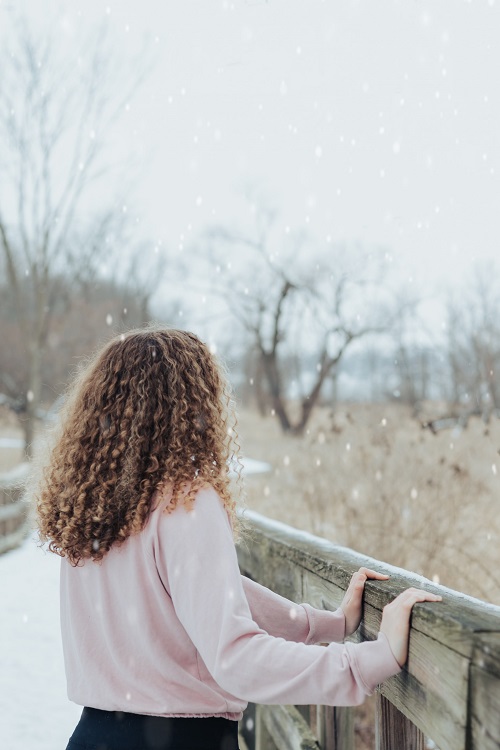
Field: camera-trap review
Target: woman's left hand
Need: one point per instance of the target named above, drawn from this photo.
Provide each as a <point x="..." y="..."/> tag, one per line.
<point x="352" y="601"/>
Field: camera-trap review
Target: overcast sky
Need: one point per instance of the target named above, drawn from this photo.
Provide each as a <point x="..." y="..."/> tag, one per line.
<point x="366" y="121"/>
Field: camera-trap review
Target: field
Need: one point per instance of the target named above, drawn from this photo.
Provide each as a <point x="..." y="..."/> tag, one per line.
<point x="369" y="477"/>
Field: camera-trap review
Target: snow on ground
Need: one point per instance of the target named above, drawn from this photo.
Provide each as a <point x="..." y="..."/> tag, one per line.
<point x="251" y="466"/>
<point x="8" y="442"/>
<point x="35" y="713"/>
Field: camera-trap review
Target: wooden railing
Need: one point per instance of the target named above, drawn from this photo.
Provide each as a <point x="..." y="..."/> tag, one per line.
<point x="447" y="696"/>
<point x="13" y="512"/>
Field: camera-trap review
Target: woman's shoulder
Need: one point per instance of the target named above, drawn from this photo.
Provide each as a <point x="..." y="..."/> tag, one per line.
<point x="205" y="498"/>
<point x="205" y="517"/>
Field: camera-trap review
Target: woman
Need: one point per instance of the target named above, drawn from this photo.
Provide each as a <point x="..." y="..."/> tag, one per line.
<point x="164" y="641"/>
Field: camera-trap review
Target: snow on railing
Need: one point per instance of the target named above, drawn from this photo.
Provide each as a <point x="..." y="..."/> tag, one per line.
<point x="13" y="511"/>
<point x="448" y="694"/>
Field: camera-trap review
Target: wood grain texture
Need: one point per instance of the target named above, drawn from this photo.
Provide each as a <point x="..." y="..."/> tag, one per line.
<point x="485" y="693"/>
<point x="13" y="511"/>
<point x="394" y="731"/>
<point x="454" y="650"/>
<point x="285" y="728"/>
<point x="263" y="739"/>
<point x="334" y="728"/>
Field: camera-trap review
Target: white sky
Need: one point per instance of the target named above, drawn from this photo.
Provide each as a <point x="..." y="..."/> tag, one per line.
<point x="366" y="121"/>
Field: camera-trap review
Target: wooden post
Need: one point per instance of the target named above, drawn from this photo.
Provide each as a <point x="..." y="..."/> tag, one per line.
<point x="394" y="731"/>
<point x="13" y="512"/>
<point x="263" y="739"/>
<point x="484" y="715"/>
<point x="247" y="726"/>
<point x="334" y="728"/>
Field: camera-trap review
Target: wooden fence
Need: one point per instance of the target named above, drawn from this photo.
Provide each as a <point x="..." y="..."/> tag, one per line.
<point x="13" y="512"/>
<point x="448" y="695"/>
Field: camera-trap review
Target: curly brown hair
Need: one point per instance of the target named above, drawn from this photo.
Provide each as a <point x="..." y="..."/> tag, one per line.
<point x="151" y="412"/>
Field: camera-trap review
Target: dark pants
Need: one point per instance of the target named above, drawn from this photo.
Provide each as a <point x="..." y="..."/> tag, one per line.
<point x="116" y="730"/>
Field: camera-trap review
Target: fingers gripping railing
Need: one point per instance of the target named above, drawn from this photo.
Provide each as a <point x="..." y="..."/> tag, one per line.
<point x="449" y="690"/>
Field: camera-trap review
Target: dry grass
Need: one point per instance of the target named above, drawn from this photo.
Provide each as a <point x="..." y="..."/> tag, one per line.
<point x="369" y="477"/>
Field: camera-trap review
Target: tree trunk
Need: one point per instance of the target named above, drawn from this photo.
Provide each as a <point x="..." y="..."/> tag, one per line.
<point x="32" y="396"/>
<point x="310" y="401"/>
<point x="271" y="371"/>
<point x="260" y="391"/>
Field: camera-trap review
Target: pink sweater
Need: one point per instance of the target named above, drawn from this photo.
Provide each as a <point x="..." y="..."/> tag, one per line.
<point x="166" y="625"/>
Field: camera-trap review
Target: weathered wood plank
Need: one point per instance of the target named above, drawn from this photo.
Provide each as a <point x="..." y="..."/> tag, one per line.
<point x="394" y="731"/>
<point x="247" y="725"/>
<point x="334" y="564"/>
<point x="15" y="478"/>
<point x="334" y="728"/>
<point x="485" y="693"/>
<point x="433" y="690"/>
<point x="263" y="739"/>
<point x="265" y="563"/>
<point x="12" y="510"/>
<point x="14" y="539"/>
<point x="285" y="728"/>
<point x="485" y="716"/>
<point x="487" y="653"/>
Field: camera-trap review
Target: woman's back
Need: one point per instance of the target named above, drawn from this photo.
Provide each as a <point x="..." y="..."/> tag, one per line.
<point x="124" y="646"/>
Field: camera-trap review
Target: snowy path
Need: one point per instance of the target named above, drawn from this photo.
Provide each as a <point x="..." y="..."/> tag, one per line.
<point x="35" y="713"/>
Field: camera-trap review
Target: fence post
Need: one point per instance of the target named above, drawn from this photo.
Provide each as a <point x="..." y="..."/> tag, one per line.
<point x="393" y="730"/>
<point x="334" y="728"/>
<point x="13" y="512"/>
<point x="263" y="739"/>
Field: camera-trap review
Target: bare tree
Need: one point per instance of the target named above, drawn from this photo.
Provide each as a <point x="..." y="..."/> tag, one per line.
<point x="302" y="309"/>
<point x="413" y="352"/>
<point x="56" y="113"/>
<point x="474" y="344"/>
<point x="140" y="279"/>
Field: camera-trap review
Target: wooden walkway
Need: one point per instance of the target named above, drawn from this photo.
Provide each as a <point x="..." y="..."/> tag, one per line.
<point x="449" y="691"/>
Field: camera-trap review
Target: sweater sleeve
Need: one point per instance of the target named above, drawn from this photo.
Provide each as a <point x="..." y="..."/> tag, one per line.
<point x="293" y="622"/>
<point x="198" y="565"/>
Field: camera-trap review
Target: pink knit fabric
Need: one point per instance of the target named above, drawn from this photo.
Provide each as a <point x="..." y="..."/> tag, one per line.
<point x="166" y="625"/>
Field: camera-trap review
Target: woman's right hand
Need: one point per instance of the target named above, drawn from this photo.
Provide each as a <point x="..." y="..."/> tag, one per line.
<point x="395" y="623"/>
